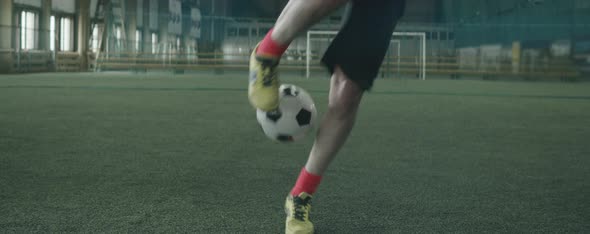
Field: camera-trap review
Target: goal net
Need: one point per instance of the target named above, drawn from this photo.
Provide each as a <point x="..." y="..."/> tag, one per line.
<point x="406" y="56"/>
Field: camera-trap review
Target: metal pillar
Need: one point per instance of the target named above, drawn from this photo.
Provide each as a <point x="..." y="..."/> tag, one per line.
<point x="44" y="25"/>
<point x="6" y="33"/>
<point x="131" y="20"/>
<point x="83" y="32"/>
<point x="163" y="40"/>
<point x="147" y="36"/>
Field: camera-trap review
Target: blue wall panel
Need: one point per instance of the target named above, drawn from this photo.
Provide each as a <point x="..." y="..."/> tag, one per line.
<point x="503" y="21"/>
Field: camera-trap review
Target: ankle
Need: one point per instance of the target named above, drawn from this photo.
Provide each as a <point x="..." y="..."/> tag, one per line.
<point x="306" y="182"/>
<point x="268" y="46"/>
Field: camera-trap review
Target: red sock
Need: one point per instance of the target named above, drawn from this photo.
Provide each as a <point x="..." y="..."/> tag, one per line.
<point x="270" y="47"/>
<point x="306" y="182"/>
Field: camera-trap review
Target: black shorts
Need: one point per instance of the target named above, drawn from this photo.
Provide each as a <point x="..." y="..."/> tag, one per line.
<point x="361" y="44"/>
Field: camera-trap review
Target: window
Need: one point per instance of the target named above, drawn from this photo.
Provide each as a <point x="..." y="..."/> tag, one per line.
<point x="28" y="30"/>
<point x="178" y="44"/>
<point x="95" y="39"/>
<point x="138" y="40"/>
<point x="118" y="34"/>
<point x="66" y="34"/>
<point x="443" y="36"/>
<point x="232" y="32"/>
<point x="243" y="32"/>
<point x="52" y="33"/>
<point x="154" y="43"/>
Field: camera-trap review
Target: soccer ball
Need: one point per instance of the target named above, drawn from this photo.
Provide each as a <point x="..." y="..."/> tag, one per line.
<point x="295" y="118"/>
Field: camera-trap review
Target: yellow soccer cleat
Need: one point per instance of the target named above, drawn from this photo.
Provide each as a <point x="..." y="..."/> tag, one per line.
<point x="263" y="90"/>
<point x="297" y="209"/>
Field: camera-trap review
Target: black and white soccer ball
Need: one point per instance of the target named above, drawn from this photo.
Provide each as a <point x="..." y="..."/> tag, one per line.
<point x="295" y="118"/>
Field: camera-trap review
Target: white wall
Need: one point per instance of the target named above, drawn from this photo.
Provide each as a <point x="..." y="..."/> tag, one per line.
<point x="67" y="6"/>
<point x="35" y="3"/>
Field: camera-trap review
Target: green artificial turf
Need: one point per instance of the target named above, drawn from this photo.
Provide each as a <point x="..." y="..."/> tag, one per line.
<point x="120" y="152"/>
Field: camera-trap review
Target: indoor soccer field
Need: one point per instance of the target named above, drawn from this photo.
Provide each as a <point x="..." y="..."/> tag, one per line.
<point x="156" y="152"/>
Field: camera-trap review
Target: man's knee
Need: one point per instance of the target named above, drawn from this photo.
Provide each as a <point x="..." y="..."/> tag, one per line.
<point x="343" y="110"/>
<point x="326" y="2"/>
<point x="345" y="95"/>
<point x="334" y="2"/>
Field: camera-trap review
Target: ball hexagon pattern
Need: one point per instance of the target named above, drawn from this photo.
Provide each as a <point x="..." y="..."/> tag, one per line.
<point x="294" y="119"/>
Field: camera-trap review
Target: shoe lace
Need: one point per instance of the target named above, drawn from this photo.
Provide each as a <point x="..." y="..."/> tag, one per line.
<point x="301" y="208"/>
<point x="268" y="70"/>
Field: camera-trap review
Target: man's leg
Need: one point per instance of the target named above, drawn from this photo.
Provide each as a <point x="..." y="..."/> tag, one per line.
<point x="344" y="99"/>
<point x="354" y="58"/>
<point x="299" y="15"/>
<point x="296" y="17"/>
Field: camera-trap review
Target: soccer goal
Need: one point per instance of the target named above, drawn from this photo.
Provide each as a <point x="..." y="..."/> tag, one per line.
<point x="407" y="52"/>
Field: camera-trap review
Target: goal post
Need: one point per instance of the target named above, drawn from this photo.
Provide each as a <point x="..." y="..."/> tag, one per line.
<point x="319" y="41"/>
